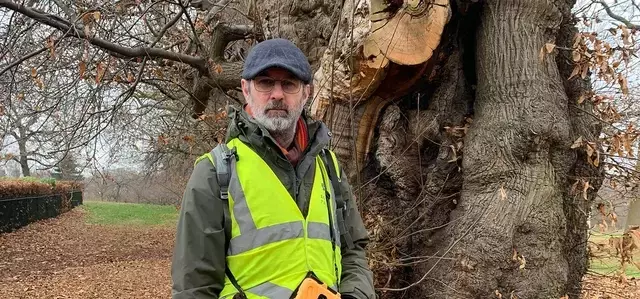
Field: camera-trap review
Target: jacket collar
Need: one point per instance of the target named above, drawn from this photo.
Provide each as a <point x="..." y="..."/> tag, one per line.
<point x="245" y="128"/>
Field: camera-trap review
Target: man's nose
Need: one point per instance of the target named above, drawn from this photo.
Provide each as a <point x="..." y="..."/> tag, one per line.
<point x="277" y="93"/>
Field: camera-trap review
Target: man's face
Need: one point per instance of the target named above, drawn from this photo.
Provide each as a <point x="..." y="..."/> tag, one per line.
<point x="276" y="98"/>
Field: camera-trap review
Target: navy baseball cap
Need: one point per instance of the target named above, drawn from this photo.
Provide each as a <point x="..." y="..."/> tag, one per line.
<point x="280" y="53"/>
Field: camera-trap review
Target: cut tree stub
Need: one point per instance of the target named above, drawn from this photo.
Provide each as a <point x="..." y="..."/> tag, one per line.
<point x="409" y="35"/>
<point x="362" y="78"/>
<point x="406" y="37"/>
<point x="348" y="71"/>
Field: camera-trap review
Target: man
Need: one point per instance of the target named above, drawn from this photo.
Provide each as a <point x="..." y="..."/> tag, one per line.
<point x="283" y="219"/>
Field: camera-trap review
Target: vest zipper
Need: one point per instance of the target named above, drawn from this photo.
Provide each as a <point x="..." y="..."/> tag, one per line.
<point x="295" y="188"/>
<point x="330" y="214"/>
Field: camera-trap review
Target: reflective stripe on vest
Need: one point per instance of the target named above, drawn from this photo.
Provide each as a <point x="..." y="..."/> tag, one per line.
<point x="272" y="245"/>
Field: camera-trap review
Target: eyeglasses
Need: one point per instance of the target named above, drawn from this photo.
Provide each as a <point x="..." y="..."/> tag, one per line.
<point x="266" y="84"/>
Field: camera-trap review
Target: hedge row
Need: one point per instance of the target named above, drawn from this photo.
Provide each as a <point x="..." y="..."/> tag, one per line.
<point x="17" y="188"/>
<point x="23" y="201"/>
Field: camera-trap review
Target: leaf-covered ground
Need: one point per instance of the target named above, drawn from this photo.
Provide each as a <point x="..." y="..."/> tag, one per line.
<point x="100" y="251"/>
<point x="70" y="257"/>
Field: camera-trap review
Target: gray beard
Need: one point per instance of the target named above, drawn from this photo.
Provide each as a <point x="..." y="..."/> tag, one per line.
<point x="282" y="129"/>
<point x="275" y="124"/>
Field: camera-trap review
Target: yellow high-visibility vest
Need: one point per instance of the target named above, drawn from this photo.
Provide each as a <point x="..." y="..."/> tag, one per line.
<point x="273" y="247"/>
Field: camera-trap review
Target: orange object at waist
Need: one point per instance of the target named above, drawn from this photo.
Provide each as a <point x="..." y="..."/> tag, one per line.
<point x="312" y="288"/>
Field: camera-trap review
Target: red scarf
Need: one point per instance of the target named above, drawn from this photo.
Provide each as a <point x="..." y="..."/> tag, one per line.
<point x="300" y="140"/>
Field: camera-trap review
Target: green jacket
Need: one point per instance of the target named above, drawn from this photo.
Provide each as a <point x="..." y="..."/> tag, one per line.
<point x="198" y="266"/>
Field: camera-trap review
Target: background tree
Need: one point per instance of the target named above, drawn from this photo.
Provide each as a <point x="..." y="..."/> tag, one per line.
<point x="67" y="169"/>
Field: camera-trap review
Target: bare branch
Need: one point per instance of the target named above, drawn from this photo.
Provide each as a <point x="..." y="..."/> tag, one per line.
<point x="67" y="10"/>
<point x="64" y="25"/>
<point x="617" y="17"/>
<point x="23" y="59"/>
<point x="166" y="27"/>
<point x="215" y="10"/>
<point x="193" y="27"/>
<point x="224" y="34"/>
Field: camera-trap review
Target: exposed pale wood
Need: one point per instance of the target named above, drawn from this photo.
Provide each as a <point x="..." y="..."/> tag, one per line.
<point x="412" y="33"/>
<point x="367" y="125"/>
<point x="400" y="79"/>
<point x="407" y="37"/>
<point x="349" y="70"/>
<point x="371" y="80"/>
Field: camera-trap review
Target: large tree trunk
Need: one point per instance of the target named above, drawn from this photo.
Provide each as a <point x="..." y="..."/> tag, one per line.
<point x="500" y="217"/>
<point x="633" y="212"/>
<point x="508" y="230"/>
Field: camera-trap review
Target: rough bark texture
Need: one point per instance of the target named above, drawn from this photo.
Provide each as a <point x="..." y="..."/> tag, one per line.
<point x="504" y="220"/>
<point x="22" y="147"/>
<point x="576" y="209"/>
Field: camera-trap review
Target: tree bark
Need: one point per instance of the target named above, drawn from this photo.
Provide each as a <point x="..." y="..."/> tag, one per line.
<point x="584" y="125"/>
<point x="22" y="147"/>
<point x="633" y="212"/>
<point x="490" y="212"/>
<point x="509" y="226"/>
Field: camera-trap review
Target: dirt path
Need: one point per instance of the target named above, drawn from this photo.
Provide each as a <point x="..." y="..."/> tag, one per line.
<point x="67" y="258"/>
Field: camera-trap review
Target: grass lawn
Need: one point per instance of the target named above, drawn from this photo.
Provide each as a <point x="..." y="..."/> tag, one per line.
<point x="112" y="213"/>
<point x="599" y="237"/>
<point x="611" y="266"/>
<point x="608" y="264"/>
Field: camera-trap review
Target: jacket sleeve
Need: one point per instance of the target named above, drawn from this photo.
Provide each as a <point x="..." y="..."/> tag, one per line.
<point x="357" y="278"/>
<point x="198" y="263"/>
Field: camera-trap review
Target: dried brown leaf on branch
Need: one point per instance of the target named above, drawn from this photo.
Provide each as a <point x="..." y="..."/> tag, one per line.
<point x="82" y="68"/>
<point x="549" y="47"/>
<point x="576" y="56"/>
<point x="624" y="84"/>
<point x="51" y="45"/>
<point x="577" y="143"/>
<point x="100" y="70"/>
<point x="593" y="155"/>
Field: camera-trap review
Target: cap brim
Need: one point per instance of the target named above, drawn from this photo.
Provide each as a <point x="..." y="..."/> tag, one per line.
<point x="292" y="70"/>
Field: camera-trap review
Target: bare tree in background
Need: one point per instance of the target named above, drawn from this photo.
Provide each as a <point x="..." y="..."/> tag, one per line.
<point x="469" y="129"/>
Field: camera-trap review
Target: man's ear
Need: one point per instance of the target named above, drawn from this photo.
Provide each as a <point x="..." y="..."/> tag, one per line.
<point x="245" y="89"/>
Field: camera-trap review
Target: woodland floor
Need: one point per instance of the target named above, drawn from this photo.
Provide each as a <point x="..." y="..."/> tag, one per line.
<point x="94" y="252"/>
